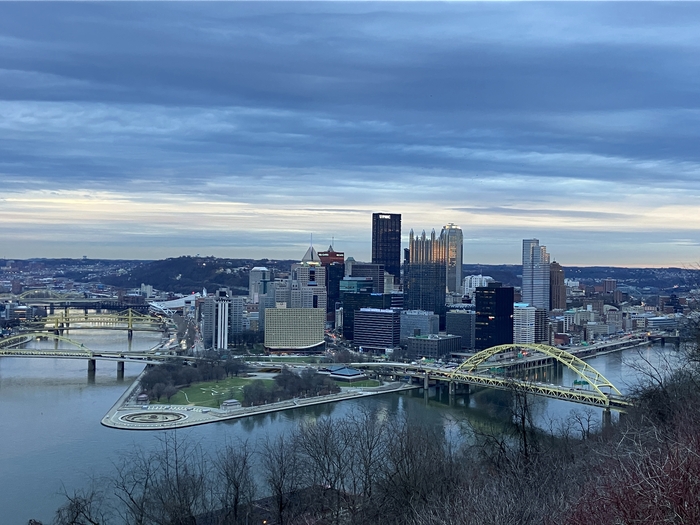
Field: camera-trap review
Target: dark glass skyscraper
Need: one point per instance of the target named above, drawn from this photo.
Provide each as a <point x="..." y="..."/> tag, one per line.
<point x="494" y="316"/>
<point x="386" y="242"/>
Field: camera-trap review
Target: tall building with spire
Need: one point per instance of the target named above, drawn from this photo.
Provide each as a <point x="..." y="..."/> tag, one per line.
<point x="308" y="282"/>
<point x="453" y="240"/>
<point x="536" y="269"/>
<point x="334" y="264"/>
<point x="386" y="243"/>
<point x="424" y="275"/>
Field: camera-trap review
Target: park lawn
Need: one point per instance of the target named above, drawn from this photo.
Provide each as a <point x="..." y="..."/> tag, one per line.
<point x="211" y="393"/>
<point x="363" y="383"/>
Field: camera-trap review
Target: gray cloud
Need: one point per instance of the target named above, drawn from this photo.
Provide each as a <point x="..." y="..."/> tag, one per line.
<point x="445" y="112"/>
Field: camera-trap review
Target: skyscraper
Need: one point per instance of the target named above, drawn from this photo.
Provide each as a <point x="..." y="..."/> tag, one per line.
<point x="494" y="316"/>
<point x="535" y="290"/>
<point x="215" y="319"/>
<point x="557" y="288"/>
<point x="386" y="242"/>
<point x="523" y="323"/>
<point x="258" y="281"/>
<point x="453" y="239"/>
<point x="334" y="263"/>
<point x="424" y="275"/>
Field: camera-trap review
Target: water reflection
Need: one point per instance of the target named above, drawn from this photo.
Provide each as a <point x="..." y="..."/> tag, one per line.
<point x="51" y="434"/>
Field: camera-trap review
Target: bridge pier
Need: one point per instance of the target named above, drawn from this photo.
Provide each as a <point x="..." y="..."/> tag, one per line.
<point x="91" y="370"/>
<point x="130" y="334"/>
<point x="120" y="371"/>
<point x="622" y="418"/>
<point x="607" y="420"/>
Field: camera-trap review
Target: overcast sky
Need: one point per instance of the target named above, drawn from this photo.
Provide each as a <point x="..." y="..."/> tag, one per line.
<point x="151" y="130"/>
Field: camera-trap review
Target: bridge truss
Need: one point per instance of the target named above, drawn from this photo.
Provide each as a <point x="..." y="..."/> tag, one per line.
<point x="9" y="347"/>
<point x="125" y="320"/>
<point x="470" y="372"/>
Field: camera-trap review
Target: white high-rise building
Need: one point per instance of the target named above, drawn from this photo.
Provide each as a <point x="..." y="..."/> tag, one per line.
<point x="523" y="323"/>
<point x="535" y="289"/>
<point x="308" y="283"/>
<point x="258" y="281"/>
<point x="472" y="282"/>
<point x="215" y="319"/>
<point x="454" y="240"/>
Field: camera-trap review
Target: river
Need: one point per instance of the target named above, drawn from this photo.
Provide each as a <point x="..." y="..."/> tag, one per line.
<point x="51" y="436"/>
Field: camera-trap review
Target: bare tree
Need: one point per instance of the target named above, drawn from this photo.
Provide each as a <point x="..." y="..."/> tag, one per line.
<point x="83" y="507"/>
<point x="236" y="486"/>
<point x="282" y="470"/>
<point x="179" y="486"/>
<point x="132" y="483"/>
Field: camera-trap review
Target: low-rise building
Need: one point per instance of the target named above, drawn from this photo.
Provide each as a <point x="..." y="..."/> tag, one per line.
<point x="433" y="346"/>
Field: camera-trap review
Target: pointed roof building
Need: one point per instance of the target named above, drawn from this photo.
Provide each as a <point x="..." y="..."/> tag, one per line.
<point x="311" y="256"/>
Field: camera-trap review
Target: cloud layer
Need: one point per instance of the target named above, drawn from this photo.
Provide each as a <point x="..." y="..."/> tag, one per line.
<point x="238" y="129"/>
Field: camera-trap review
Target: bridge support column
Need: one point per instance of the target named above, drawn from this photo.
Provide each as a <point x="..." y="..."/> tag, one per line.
<point x="91" y="370"/>
<point x="130" y="334"/>
<point x="607" y="420"/>
<point x="426" y="381"/>
<point x="623" y="418"/>
<point x="120" y="371"/>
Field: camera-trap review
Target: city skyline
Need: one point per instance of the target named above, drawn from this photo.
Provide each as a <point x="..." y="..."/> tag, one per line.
<point x="146" y="131"/>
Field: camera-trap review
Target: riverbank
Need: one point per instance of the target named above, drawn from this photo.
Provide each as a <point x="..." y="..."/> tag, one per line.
<point x="126" y="415"/>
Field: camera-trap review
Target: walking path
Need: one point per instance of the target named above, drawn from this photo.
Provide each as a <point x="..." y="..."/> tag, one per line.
<point x="127" y="415"/>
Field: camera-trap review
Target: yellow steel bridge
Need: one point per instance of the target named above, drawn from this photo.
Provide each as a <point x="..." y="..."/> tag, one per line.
<point x="477" y="370"/>
<point x="126" y="320"/>
<point x="12" y="347"/>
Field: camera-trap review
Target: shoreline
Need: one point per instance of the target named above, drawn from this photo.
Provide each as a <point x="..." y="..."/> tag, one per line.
<point x="125" y="415"/>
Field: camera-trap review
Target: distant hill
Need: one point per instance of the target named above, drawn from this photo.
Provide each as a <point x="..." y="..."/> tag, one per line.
<point x="191" y="274"/>
<point x="661" y="278"/>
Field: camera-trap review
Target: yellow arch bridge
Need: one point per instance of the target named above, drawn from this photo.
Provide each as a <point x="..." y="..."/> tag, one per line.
<point x="477" y="370"/>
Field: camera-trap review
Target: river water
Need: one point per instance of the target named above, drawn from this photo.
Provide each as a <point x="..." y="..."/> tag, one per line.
<point x="51" y="436"/>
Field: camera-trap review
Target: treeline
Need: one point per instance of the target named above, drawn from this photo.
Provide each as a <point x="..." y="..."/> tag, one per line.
<point x="162" y="380"/>
<point x="369" y="469"/>
<point x="190" y="274"/>
<point x="288" y="385"/>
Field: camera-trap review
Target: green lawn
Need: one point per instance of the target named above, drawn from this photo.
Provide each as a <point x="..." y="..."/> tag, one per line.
<point x="363" y="383"/>
<point x="211" y="393"/>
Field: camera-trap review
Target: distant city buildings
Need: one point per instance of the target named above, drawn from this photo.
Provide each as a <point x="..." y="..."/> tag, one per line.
<point x="463" y="324"/>
<point x="523" y="323"/>
<point x="258" y="281"/>
<point x="424" y="275"/>
<point x="377" y="330"/>
<point x="557" y="287"/>
<point x="535" y="288"/>
<point x="418" y="322"/>
<point x="472" y="282"/>
<point x="215" y="319"/>
<point x="494" y="316"/>
<point x="453" y="240"/>
<point x="433" y="346"/>
<point x="294" y="329"/>
<point x="386" y="242"/>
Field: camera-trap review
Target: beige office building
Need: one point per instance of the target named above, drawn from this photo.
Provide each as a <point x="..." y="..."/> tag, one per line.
<point x="294" y="329"/>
